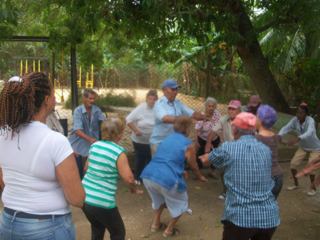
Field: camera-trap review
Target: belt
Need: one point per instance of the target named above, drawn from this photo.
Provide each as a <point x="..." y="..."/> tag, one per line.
<point x="27" y="215"/>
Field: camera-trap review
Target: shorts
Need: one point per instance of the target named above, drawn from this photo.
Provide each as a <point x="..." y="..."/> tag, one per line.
<point x="300" y="155"/>
<point x="176" y="202"/>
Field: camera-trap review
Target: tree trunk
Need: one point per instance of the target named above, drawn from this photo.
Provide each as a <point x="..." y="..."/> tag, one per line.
<point x="255" y="63"/>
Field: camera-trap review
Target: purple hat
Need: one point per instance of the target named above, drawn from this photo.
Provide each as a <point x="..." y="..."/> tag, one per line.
<point x="267" y="115"/>
<point x="234" y="104"/>
<point x="170" y="83"/>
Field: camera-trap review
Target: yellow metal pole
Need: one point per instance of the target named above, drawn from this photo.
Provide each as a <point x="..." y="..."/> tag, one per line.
<point x="34" y="65"/>
<point x="21" y="68"/>
<point x="80" y="73"/>
<point x="91" y="72"/>
<point x="39" y="66"/>
<point x="26" y="67"/>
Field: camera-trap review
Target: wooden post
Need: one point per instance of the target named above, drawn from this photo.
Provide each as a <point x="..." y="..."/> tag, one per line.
<point x="21" y="68"/>
<point x="74" y="87"/>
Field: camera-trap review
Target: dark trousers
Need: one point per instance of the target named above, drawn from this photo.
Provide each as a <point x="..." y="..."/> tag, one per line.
<point x="101" y="219"/>
<point x="80" y="164"/>
<point x="278" y="182"/>
<point x="143" y="157"/>
<point x="233" y="232"/>
<point x="202" y="145"/>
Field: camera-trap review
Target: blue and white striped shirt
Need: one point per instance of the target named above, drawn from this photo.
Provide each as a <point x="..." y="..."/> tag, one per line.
<point x="247" y="176"/>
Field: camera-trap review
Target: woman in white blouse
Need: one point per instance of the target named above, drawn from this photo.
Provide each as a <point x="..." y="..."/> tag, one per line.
<point x="141" y="121"/>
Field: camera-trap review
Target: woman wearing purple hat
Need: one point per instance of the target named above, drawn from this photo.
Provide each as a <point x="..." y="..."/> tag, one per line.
<point x="266" y="118"/>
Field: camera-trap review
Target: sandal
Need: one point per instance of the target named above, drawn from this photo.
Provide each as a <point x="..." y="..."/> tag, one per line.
<point x="175" y="232"/>
<point x="154" y="229"/>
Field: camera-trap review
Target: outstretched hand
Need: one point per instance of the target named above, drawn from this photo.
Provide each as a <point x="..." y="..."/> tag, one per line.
<point x="202" y="178"/>
<point x="137" y="191"/>
<point x="292" y="142"/>
<point x="308" y="169"/>
<point x="205" y="159"/>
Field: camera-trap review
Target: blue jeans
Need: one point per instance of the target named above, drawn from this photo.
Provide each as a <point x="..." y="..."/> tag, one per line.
<point x="143" y="157"/>
<point x="55" y="228"/>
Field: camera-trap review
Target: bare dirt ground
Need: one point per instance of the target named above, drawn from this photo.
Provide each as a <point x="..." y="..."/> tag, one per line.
<point x="300" y="214"/>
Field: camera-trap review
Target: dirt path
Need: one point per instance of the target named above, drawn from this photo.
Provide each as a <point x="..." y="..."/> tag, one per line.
<point x="300" y="214"/>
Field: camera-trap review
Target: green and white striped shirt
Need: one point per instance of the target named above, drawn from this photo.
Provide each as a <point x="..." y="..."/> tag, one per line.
<point x="100" y="180"/>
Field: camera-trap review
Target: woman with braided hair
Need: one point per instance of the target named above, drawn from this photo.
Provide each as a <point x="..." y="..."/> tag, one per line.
<point x="38" y="171"/>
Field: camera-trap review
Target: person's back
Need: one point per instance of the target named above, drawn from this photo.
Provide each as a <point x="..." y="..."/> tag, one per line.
<point x="37" y="166"/>
<point x="101" y="177"/>
<point x="28" y="161"/>
<point x="251" y="211"/>
<point x="248" y="180"/>
<point x="167" y="165"/>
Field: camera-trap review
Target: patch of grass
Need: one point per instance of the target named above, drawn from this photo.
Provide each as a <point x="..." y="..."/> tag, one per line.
<point x="124" y="100"/>
<point x="1" y="84"/>
<point x="106" y="102"/>
<point x="283" y="119"/>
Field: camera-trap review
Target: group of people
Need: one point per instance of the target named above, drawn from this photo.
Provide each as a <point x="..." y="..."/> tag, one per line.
<point x="42" y="172"/>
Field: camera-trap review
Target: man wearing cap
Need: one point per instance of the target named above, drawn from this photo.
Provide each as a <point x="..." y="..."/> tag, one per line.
<point x="166" y="109"/>
<point x="224" y="131"/>
<point x="223" y="128"/>
<point x="251" y="211"/>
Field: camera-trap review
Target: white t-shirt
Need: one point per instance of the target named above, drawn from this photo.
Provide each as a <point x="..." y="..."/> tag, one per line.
<point x="144" y="118"/>
<point x="28" y="164"/>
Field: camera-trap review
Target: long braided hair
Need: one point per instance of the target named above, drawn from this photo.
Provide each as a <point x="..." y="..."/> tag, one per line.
<point x="20" y="100"/>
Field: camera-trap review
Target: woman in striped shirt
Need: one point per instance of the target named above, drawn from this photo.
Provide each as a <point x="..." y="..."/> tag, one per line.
<point x="105" y="162"/>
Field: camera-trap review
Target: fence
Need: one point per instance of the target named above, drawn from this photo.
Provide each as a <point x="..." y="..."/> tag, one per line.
<point x="196" y="103"/>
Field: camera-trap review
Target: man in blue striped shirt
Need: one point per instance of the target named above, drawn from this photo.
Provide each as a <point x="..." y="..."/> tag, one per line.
<point x="251" y="211"/>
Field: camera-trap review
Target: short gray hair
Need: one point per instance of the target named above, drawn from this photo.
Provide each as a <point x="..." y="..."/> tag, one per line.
<point x="243" y="132"/>
<point x="210" y="100"/>
<point x="88" y="91"/>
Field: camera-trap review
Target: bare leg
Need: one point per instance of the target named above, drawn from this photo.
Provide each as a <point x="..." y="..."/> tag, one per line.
<point x="294" y="173"/>
<point x="312" y="178"/>
<point x="169" y="230"/>
<point x="156" y="217"/>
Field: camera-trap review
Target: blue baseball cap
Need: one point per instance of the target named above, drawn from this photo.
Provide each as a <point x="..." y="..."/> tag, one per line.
<point x="170" y="83"/>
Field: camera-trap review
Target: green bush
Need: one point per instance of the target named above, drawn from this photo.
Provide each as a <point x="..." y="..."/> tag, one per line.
<point x="283" y="119"/>
<point x="106" y="102"/>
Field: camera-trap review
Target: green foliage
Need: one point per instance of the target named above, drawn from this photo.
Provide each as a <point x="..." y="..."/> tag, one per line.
<point x="116" y="100"/>
<point x="304" y="82"/>
<point x="106" y="102"/>
<point x="133" y="43"/>
<point x="8" y="18"/>
<point x="283" y="119"/>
